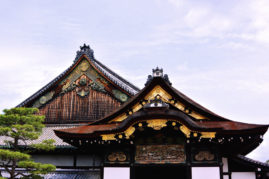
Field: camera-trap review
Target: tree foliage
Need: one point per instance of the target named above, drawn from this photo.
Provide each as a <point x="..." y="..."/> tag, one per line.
<point x="20" y="125"/>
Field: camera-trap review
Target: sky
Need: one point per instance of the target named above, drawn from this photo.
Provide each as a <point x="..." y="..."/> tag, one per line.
<point x="215" y="52"/>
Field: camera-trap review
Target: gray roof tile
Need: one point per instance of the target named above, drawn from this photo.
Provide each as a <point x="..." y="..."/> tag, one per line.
<point x="47" y="133"/>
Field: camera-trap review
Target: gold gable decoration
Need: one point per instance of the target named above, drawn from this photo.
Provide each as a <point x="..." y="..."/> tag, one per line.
<point x="82" y="79"/>
<point x="158" y="91"/>
<point x="158" y="124"/>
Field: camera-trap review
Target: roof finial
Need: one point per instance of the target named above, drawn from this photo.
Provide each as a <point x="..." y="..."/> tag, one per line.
<point x="158" y="72"/>
<point x="84" y="47"/>
<point x="84" y="50"/>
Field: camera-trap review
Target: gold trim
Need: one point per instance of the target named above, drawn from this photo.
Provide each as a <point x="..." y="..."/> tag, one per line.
<point x="196" y="115"/>
<point x="158" y="90"/>
<point x="120" y="118"/>
<point x="179" y="105"/>
<point x="108" y="137"/>
<point x="137" y="107"/>
<point x="129" y="132"/>
<point x="166" y="97"/>
<point x="208" y="134"/>
<point x="157" y="124"/>
<point x="185" y="130"/>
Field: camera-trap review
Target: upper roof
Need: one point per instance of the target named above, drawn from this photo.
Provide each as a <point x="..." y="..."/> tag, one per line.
<point x="85" y="52"/>
<point x="86" y="91"/>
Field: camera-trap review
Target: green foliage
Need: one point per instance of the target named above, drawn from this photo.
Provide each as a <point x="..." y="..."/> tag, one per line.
<point x="36" y="168"/>
<point x="45" y="145"/>
<point x="22" y="125"/>
<point x="11" y="155"/>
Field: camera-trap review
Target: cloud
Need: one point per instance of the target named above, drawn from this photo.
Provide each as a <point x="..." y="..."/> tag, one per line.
<point x="177" y="3"/>
<point x="236" y="25"/>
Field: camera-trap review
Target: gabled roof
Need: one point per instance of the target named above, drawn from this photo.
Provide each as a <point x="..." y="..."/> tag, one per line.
<point x="86" y="53"/>
<point x="159" y="105"/>
<point x="180" y="100"/>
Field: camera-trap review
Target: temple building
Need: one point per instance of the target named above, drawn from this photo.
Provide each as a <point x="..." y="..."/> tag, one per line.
<point x="107" y="128"/>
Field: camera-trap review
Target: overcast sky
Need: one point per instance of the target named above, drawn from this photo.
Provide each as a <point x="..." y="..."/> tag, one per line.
<point x="216" y="52"/>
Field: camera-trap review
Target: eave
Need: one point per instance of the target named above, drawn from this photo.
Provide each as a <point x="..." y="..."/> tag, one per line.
<point x="222" y="128"/>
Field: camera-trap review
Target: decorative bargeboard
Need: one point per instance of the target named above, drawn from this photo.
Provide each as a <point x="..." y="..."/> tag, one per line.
<point x="82" y="79"/>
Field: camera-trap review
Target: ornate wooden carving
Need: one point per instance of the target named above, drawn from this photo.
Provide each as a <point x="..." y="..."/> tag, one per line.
<point x="204" y="156"/>
<point x="117" y="157"/>
<point x="157" y="124"/>
<point x="159" y="154"/>
<point x="43" y="99"/>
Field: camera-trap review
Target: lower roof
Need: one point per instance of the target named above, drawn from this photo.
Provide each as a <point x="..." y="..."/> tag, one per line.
<point x="47" y="133"/>
<point x="221" y="127"/>
<point x="251" y="162"/>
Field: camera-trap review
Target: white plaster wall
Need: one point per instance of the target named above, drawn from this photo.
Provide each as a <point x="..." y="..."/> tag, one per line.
<point x="225" y="164"/>
<point x="116" y="173"/>
<point x="225" y="176"/>
<point x="243" y="175"/>
<point x="58" y="160"/>
<point x="205" y="172"/>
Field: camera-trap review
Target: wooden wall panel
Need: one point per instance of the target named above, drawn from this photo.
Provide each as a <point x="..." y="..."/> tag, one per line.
<point x="70" y="107"/>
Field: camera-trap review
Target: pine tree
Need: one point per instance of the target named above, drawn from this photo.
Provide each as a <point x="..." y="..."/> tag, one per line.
<point x="21" y="125"/>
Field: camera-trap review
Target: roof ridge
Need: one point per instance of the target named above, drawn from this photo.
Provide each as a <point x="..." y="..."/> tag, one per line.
<point x="115" y="74"/>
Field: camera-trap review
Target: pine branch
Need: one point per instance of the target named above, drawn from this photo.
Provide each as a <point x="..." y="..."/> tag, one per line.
<point x="21" y="124"/>
<point x="6" y="167"/>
